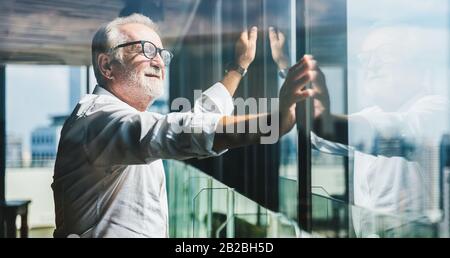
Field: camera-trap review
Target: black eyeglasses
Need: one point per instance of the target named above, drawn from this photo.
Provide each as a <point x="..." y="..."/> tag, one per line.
<point x="149" y="50"/>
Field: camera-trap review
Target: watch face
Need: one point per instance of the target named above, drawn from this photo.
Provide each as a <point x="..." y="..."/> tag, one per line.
<point x="241" y="70"/>
<point x="282" y="73"/>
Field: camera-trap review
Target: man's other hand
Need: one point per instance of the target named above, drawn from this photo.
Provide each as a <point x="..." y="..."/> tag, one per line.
<point x="294" y="90"/>
<point x="246" y="47"/>
<point x="277" y="40"/>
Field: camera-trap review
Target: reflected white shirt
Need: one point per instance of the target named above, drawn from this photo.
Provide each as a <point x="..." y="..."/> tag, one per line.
<point x="109" y="177"/>
<point x="393" y="184"/>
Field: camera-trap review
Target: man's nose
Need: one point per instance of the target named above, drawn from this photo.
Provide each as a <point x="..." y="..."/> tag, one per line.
<point x="158" y="61"/>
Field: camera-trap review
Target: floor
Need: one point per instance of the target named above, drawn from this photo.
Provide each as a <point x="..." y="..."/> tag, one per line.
<point x="40" y="233"/>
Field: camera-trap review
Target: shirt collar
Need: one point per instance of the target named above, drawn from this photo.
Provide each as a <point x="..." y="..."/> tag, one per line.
<point x="99" y="90"/>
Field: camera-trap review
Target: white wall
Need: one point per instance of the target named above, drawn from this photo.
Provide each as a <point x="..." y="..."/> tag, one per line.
<point x="33" y="184"/>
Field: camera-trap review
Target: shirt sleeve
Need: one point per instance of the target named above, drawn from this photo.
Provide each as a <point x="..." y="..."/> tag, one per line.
<point x="329" y="147"/>
<point x="216" y="99"/>
<point x="412" y="123"/>
<point x="117" y="134"/>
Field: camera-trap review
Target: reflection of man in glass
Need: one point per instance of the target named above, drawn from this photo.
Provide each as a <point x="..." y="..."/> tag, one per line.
<point x="396" y="126"/>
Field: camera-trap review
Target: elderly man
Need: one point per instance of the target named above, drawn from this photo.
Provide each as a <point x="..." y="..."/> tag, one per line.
<point x="109" y="177"/>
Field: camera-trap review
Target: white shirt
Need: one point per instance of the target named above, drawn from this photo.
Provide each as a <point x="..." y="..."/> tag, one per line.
<point x="109" y="178"/>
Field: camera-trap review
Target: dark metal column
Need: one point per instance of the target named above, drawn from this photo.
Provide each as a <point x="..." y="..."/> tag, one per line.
<point x="2" y="146"/>
<point x="304" y="123"/>
<point x="2" y="131"/>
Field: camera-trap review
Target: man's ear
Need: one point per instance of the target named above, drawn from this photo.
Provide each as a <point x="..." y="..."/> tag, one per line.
<point x="104" y="64"/>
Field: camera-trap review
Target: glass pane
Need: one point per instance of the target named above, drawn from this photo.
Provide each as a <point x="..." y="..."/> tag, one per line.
<point x="188" y="190"/>
<point x="178" y="195"/>
<point x="250" y="218"/>
<point x="221" y="211"/>
<point x="381" y="146"/>
<point x="326" y="41"/>
<point x="284" y="18"/>
<point x="399" y="104"/>
<point x="330" y="217"/>
<point x="279" y="225"/>
<point x="210" y="211"/>
<point x="289" y="197"/>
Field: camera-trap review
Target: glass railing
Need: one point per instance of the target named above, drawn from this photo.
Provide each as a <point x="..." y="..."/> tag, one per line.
<point x="335" y="218"/>
<point x="202" y="207"/>
<point x="288" y="197"/>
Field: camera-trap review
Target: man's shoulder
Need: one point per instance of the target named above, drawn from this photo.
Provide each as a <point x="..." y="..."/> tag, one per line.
<point x="101" y="104"/>
<point x="432" y="103"/>
<point x="95" y="109"/>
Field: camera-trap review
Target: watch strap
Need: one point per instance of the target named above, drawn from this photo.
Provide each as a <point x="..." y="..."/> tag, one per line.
<point x="236" y="67"/>
<point x="283" y="73"/>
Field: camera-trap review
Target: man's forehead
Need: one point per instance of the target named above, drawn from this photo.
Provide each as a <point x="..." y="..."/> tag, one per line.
<point x="137" y="31"/>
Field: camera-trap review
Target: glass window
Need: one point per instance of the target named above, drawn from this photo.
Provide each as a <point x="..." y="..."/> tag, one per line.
<point x="386" y="69"/>
<point x="201" y="57"/>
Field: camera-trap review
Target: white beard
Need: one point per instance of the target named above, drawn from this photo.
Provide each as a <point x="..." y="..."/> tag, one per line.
<point x="152" y="87"/>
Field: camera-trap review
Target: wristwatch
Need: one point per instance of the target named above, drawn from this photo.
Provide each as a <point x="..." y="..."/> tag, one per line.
<point x="236" y="67"/>
<point x="283" y="73"/>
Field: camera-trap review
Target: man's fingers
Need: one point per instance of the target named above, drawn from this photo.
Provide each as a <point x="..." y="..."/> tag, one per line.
<point x="300" y="83"/>
<point x="297" y="71"/>
<point x="303" y="66"/>
<point x="276" y="36"/>
<point x="312" y="75"/>
<point x="303" y="94"/>
<point x="306" y="59"/>
<point x="305" y="71"/>
<point x="253" y="34"/>
<point x="281" y="37"/>
<point x="273" y="37"/>
<point x="297" y="66"/>
<point x="244" y="35"/>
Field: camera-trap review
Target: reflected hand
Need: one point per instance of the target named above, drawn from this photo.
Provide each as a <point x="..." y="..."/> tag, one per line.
<point x="246" y="47"/>
<point x="293" y="90"/>
<point x="277" y="40"/>
<point x="320" y="91"/>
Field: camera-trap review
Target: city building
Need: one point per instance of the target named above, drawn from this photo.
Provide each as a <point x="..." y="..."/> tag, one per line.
<point x="44" y="142"/>
<point x="14" y="151"/>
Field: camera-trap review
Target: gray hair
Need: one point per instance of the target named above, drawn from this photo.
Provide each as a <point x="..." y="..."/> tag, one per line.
<point x="109" y="36"/>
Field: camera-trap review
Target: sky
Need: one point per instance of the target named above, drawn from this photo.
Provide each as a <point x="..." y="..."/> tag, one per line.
<point x="30" y="97"/>
<point x="34" y="93"/>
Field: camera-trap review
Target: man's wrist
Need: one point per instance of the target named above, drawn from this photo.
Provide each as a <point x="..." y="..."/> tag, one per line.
<point x="237" y="68"/>
<point x="243" y="65"/>
<point x="282" y="63"/>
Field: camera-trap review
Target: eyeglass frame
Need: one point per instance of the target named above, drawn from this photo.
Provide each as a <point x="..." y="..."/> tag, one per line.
<point x="142" y="42"/>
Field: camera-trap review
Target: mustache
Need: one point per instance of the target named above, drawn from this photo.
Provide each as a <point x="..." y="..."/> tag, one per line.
<point x="152" y="70"/>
